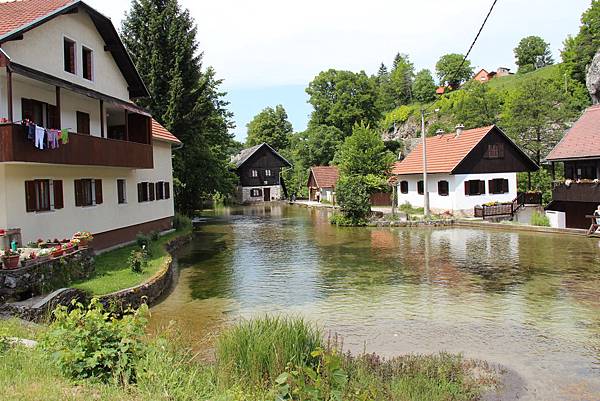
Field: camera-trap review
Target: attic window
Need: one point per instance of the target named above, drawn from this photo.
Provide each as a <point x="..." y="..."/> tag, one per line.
<point x="86" y="63"/>
<point x="494" y="151"/>
<point x="69" y="48"/>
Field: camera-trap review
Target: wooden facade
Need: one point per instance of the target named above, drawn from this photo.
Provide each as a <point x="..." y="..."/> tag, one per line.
<point x="262" y="168"/>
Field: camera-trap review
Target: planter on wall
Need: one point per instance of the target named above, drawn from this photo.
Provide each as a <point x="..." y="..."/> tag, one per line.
<point x="11" y="262"/>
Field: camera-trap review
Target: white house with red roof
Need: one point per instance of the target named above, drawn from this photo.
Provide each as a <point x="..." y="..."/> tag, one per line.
<point x="321" y="184"/>
<point x="466" y="168"/>
<point x="76" y="152"/>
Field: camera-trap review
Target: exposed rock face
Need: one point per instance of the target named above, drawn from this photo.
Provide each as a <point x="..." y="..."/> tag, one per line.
<point x="593" y="79"/>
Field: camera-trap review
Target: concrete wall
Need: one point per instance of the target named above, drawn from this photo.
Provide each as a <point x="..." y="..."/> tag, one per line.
<point x="42" y="49"/>
<point x="107" y="216"/>
<point x="456" y="201"/>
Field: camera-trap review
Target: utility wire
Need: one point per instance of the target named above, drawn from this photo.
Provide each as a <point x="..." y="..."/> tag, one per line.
<point x="472" y="45"/>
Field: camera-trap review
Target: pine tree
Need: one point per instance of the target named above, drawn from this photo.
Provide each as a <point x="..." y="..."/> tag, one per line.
<point x="161" y="39"/>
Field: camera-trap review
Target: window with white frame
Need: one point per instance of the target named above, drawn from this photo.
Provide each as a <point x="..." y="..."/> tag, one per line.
<point x="254" y="173"/>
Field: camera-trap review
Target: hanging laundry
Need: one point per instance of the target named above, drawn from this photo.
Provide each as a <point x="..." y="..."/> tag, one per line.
<point x="64" y="135"/>
<point x="53" y="138"/>
<point x="40" y="133"/>
<point x="31" y="132"/>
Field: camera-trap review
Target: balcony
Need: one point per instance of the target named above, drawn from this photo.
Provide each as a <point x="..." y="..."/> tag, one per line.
<point x="82" y="150"/>
<point x="577" y="192"/>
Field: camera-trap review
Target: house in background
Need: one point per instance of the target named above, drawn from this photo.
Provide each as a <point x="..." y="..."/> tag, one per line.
<point x="466" y="168"/>
<point x="63" y="66"/>
<point x="321" y="183"/>
<point x="579" y="151"/>
<point x="259" y="170"/>
<point x="484" y="76"/>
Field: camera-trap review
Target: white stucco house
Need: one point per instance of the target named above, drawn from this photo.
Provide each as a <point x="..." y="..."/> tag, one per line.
<point x="321" y="184"/>
<point x="466" y="168"/>
<point x="63" y="69"/>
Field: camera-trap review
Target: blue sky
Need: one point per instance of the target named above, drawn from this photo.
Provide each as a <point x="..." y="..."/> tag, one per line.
<point x="267" y="51"/>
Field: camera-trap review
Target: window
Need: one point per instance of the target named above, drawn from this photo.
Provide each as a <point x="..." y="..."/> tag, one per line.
<point x="69" y="56"/>
<point x="88" y="192"/>
<point x="167" y="190"/>
<point x="254" y="173"/>
<point x="474" y="187"/>
<point x="256" y="193"/>
<point x="494" y="151"/>
<point x="43" y="195"/>
<point x="267" y="173"/>
<point x="420" y="187"/>
<point x="498" y="186"/>
<point x="443" y="188"/>
<point x="143" y="192"/>
<point x="404" y="187"/>
<point x="121" y="191"/>
<point x="86" y="63"/>
<point x="40" y="113"/>
<point x="83" y="123"/>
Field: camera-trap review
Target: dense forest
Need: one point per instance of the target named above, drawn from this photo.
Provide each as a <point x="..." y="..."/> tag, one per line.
<point x="534" y="107"/>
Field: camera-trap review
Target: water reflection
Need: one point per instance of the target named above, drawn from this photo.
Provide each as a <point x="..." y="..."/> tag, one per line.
<point x="527" y="300"/>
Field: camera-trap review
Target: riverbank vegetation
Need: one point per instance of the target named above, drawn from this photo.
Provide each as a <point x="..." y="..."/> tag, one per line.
<point x="113" y="270"/>
<point x="87" y="354"/>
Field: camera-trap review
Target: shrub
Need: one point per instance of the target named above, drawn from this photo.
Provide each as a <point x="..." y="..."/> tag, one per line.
<point x="181" y="222"/>
<point x="258" y="350"/>
<point x="353" y="197"/>
<point x="138" y="260"/>
<point x="143" y="240"/>
<point x="539" y="219"/>
<point x="154" y="235"/>
<point x="91" y="343"/>
<point x="409" y="209"/>
<point x="338" y="219"/>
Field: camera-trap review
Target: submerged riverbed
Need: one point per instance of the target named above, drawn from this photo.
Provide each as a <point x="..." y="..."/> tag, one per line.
<point x="528" y="301"/>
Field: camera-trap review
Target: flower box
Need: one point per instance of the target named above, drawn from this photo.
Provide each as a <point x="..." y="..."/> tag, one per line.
<point x="57" y="252"/>
<point x="11" y="261"/>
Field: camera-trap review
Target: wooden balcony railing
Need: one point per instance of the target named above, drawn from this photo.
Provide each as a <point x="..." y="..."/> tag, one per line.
<point x="576" y="192"/>
<point x="82" y="150"/>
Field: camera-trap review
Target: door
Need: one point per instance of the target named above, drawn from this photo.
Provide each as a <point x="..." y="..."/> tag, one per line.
<point x="267" y="194"/>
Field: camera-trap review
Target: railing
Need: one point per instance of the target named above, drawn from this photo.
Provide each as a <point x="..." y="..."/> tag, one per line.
<point x="83" y="150"/>
<point x="585" y="191"/>
<point x="508" y="208"/>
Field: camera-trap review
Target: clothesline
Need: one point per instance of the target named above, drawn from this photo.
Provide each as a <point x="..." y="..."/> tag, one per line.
<point x="45" y="138"/>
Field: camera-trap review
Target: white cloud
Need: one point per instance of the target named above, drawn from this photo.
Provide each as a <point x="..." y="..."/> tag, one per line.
<point x="267" y="42"/>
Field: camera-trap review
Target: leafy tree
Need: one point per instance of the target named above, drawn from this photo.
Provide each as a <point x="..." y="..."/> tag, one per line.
<point x="364" y="153"/>
<point x="579" y="51"/>
<point x="317" y="145"/>
<point x="353" y="196"/>
<point x="423" y="87"/>
<point x="401" y="79"/>
<point x="477" y="106"/>
<point x="161" y="38"/>
<point x="342" y="99"/>
<point x="448" y="70"/>
<point x="533" y="53"/>
<point x="270" y="126"/>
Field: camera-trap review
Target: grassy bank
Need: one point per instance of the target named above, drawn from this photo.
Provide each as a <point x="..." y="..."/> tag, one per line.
<point x="112" y="272"/>
<point x="265" y="359"/>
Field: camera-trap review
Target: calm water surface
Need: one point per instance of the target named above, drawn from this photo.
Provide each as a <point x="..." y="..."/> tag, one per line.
<point x="528" y="301"/>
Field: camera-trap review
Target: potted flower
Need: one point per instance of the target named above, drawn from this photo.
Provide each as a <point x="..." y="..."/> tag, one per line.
<point x="75" y="242"/>
<point x="67" y="247"/>
<point x="56" y="251"/>
<point x="10" y="259"/>
<point x="84" y="237"/>
<point x="43" y="255"/>
<point x="30" y="260"/>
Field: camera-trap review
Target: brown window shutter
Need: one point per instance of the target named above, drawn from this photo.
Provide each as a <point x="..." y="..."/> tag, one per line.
<point x="167" y="190"/>
<point x="505" y="185"/>
<point x="30" y="196"/>
<point x="481" y="187"/>
<point x="501" y="151"/>
<point x="98" y="185"/>
<point x="140" y="190"/>
<point x="467" y="187"/>
<point x="151" y="190"/>
<point x="159" y="192"/>
<point x="58" y="194"/>
<point x="78" y="193"/>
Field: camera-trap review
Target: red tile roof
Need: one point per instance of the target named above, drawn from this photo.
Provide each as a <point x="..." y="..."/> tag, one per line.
<point x="582" y="140"/>
<point x="15" y="14"/>
<point x="325" y="176"/>
<point x="444" y="152"/>
<point x="162" y="134"/>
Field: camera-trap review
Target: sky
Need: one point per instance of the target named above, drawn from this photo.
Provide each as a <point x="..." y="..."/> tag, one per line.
<point x="267" y="51"/>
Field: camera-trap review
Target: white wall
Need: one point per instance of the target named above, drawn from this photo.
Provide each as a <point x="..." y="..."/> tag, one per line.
<point x="42" y="49"/>
<point x="108" y="216"/>
<point x="456" y="201"/>
<point x="3" y="223"/>
<point x="276" y="193"/>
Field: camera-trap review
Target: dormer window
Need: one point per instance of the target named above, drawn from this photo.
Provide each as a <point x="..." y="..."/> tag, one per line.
<point x="69" y="56"/>
<point x="87" y="63"/>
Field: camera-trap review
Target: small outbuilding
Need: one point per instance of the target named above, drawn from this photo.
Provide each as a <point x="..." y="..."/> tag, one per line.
<point x="322" y="181"/>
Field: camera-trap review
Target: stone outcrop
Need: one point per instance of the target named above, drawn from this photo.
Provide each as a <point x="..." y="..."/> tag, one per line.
<point x="593" y="78"/>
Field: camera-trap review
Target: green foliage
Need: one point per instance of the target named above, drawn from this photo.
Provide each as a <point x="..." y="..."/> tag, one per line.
<point x="541" y="181"/>
<point x="539" y="219"/>
<point x="187" y="100"/>
<point x="533" y="53"/>
<point x="270" y="126"/>
<point x="257" y="351"/>
<point x="579" y="51"/>
<point x="364" y="153"/>
<point x="399" y="115"/>
<point x="181" y="222"/>
<point x="353" y="197"/>
<point x="143" y="241"/>
<point x="342" y="99"/>
<point x="477" y="105"/>
<point x="410" y="210"/>
<point x="424" y="87"/>
<point x="90" y="343"/>
<point x="316" y="146"/>
<point x="138" y="260"/>
<point x="448" y="71"/>
<point x="341" y="220"/>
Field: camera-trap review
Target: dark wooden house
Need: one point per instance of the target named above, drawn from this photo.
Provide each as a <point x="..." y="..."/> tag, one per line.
<point x="578" y="195"/>
<point x="259" y="170"/>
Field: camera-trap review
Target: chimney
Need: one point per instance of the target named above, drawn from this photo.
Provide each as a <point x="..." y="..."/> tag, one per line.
<point x="459" y="129"/>
<point x="439" y="132"/>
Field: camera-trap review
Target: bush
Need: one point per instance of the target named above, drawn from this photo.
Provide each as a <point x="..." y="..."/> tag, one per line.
<point x="143" y="241"/>
<point x="539" y="219"/>
<point x="258" y="350"/>
<point x="353" y="197"/>
<point x="138" y="260"/>
<point x="409" y="209"/>
<point x="181" y="222"/>
<point x="338" y="219"/>
<point x="90" y="343"/>
<point x="154" y="235"/>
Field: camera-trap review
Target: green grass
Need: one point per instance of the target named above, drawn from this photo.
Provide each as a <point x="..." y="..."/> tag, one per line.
<point x="511" y="81"/>
<point x="410" y="210"/>
<point x="112" y="272"/>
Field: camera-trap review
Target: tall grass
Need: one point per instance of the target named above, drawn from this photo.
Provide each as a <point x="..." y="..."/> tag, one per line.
<point x="258" y="350"/>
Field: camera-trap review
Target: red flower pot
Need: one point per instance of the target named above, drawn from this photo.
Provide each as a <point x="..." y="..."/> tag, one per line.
<point x="11" y="262"/>
<point x="57" y="253"/>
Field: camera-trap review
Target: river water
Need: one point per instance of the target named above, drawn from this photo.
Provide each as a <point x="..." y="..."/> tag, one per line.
<point x="528" y="301"/>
